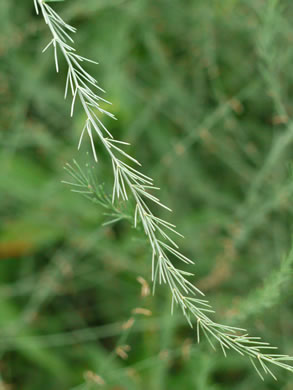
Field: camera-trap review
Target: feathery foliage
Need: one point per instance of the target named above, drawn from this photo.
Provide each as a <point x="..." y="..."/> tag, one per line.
<point x="130" y="181"/>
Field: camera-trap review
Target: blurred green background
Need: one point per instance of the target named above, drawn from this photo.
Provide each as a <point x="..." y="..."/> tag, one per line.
<point x="203" y="91"/>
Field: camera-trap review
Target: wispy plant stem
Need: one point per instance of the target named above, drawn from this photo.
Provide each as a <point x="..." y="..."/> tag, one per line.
<point x="130" y="182"/>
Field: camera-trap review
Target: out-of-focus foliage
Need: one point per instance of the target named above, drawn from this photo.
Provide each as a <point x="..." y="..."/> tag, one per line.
<point x="203" y="91"/>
